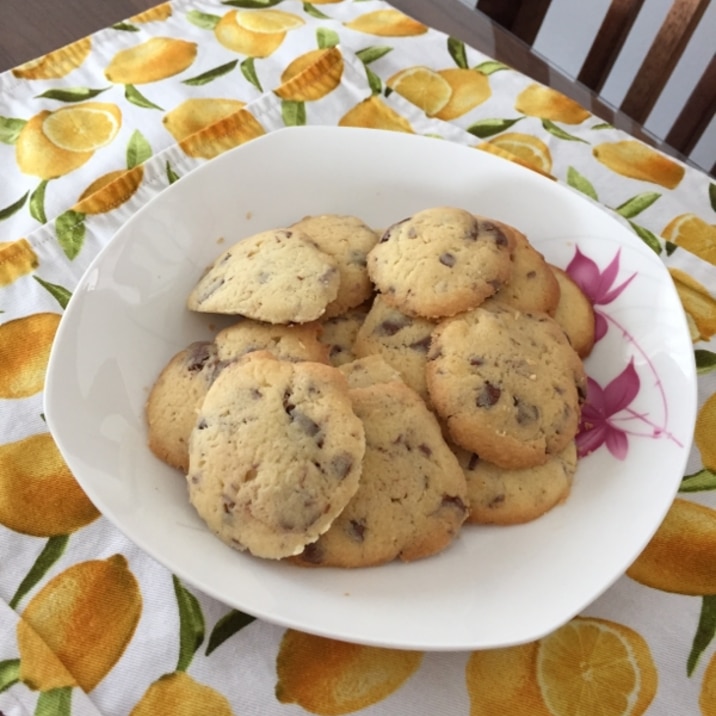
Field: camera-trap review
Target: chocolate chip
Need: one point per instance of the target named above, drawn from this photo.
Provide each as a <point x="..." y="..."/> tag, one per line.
<point x="477" y="360"/>
<point x="203" y="425"/>
<point x="390" y="326"/>
<point x="199" y="354"/>
<point x="496" y="501"/>
<point x="356" y="530"/>
<point x="228" y="504"/>
<point x="412" y="233"/>
<point x="531" y="274"/>
<point x="304" y="423"/>
<point x="312" y="553"/>
<point x="453" y="501"/>
<point x="448" y="259"/>
<point x="341" y="465"/>
<point x="473" y="462"/>
<point x="422" y="345"/>
<point x="425" y="449"/>
<point x="488" y="396"/>
<point x="526" y="412"/>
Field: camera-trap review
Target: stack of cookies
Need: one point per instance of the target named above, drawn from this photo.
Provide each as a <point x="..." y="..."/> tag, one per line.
<point x="376" y="393"/>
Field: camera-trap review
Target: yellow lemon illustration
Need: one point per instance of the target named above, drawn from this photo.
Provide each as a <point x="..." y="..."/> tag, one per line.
<point x="504" y="681"/>
<point x="546" y="103"/>
<point x="525" y="149"/>
<point x="24" y="351"/>
<point x="55" y="64"/>
<point x="470" y="88"/>
<point x="595" y="666"/>
<point x="195" y="114"/>
<point x="679" y="557"/>
<point x="238" y="39"/>
<point x="83" y="127"/>
<point x="373" y="113"/>
<point x="231" y="131"/>
<point x="150" y="61"/>
<point x="705" y="433"/>
<point x="86" y="615"/>
<point x="329" y="677"/>
<point x="38" y="494"/>
<point x="178" y="694"/>
<point x="699" y="304"/>
<point x="694" y="234"/>
<point x="422" y="86"/>
<point x="110" y="191"/>
<point x="48" y="670"/>
<point x="707" y="697"/>
<point x="636" y="160"/>
<point x="387" y="23"/>
<point x="269" y="22"/>
<point x="311" y="75"/>
<point x="17" y="259"/>
<point x="153" y="14"/>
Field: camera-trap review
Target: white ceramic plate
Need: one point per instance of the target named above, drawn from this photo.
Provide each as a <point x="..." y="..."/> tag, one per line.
<point x="496" y="585"/>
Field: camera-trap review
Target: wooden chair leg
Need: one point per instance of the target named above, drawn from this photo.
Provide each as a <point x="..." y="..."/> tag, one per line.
<point x="522" y="18"/>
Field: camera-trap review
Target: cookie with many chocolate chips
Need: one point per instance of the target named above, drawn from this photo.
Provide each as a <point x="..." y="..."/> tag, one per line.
<point x="275" y="455"/>
<point x="507" y="384"/>
<point x="338" y="333"/>
<point x="440" y="262"/>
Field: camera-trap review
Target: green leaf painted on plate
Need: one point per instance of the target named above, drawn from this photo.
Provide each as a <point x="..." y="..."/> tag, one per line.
<point x="9" y="673"/>
<point x="248" y="70"/>
<point x="634" y="206"/>
<point x="558" y="132"/>
<point x="374" y="82"/>
<point x="54" y="548"/>
<point x="133" y="95"/>
<point x="210" y="75"/>
<point x="59" y="293"/>
<point x="705" y="360"/>
<point x="647" y="237"/>
<point x="37" y="203"/>
<point x="314" y="11"/>
<point x="484" y="128"/>
<point x="251" y="4"/>
<point x="138" y="149"/>
<point x="71" y="94"/>
<point x="456" y="49"/>
<point x="373" y="53"/>
<point x="10" y="129"/>
<point x="698" y="481"/>
<point x="191" y="624"/>
<point x="70" y="230"/>
<point x="172" y="176"/>
<point x="293" y="113"/>
<point x="602" y="125"/>
<point x="226" y="627"/>
<point x="489" y="67"/>
<point x="705" y="632"/>
<point x="326" y="38"/>
<point x="712" y="195"/>
<point x="13" y="208"/>
<point x="55" y="702"/>
<point x="581" y="183"/>
<point x="202" y="19"/>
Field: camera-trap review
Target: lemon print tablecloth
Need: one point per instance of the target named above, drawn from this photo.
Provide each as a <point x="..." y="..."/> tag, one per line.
<point x="88" y="134"/>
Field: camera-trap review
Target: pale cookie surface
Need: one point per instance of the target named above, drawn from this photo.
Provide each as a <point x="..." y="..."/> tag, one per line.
<point x="277" y="276"/>
<point x="175" y="398"/>
<point x="401" y="340"/>
<point x="508" y="385"/>
<point x="348" y="240"/>
<point x="370" y="370"/>
<point x="575" y="314"/>
<point x="276" y="454"/>
<point x="412" y="497"/>
<point x="339" y="334"/>
<point x="440" y="262"/>
<point x="500" y="496"/>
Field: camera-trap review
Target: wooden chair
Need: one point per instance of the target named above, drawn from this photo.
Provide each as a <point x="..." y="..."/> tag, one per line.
<point x="524" y="18"/>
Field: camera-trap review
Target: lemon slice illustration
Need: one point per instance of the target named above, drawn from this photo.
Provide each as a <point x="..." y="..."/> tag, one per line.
<point x="82" y="128"/>
<point x="422" y="86"/>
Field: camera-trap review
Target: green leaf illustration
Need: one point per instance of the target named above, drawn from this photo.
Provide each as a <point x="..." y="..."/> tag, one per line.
<point x="138" y="149"/>
<point x="133" y="95"/>
<point x="374" y="82"/>
<point x="558" y="132"/>
<point x="634" y="206"/>
<point x="251" y="4"/>
<point x="705" y="361"/>
<point x="484" y="128"/>
<point x="191" y="624"/>
<point x="59" y="293"/>
<point x="326" y="38"/>
<point x="10" y="129"/>
<point x="211" y="75"/>
<point x="71" y="94"/>
<point x="602" y="125"/>
<point x="489" y="67"/>
<point x="699" y="481"/>
<point x="226" y="627"/>
<point x="670" y="247"/>
<point x="712" y="195"/>
<point x="371" y="54"/>
<point x="37" y="203"/>
<point x="9" y="673"/>
<point x="125" y="27"/>
<point x="314" y="11"/>
<point x="456" y="49"/>
<point x="172" y="176"/>
<point x="70" y="230"/>
<point x="248" y="70"/>
<point x="647" y="237"/>
<point x="581" y="183"/>
<point x="705" y="632"/>
<point x="13" y="208"/>
<point x="203" y="19"/>
<point x="56" y="702"/>
<point x="293" y="113"/>
<point x="52" y="551"/>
